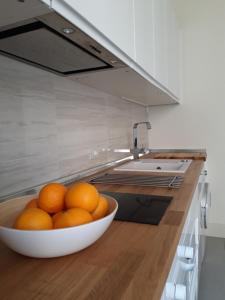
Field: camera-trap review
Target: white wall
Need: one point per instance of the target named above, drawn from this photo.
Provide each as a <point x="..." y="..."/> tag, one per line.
<point x="199" y="122"/>
<point x="50" y="125"/>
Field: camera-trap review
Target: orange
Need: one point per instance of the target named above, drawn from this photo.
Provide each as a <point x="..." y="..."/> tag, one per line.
<point x="82" y="195"/>
<point x="102" y="209"/>
<point x="33" y="219"/>
<point x="71" y="217"/>
<point x="55" y="216"/>
<point x="51" y="197"/>
<point x="32" y="204"/>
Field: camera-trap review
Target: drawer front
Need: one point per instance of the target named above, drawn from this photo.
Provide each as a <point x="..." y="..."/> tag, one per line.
<point x="182" y="281"/>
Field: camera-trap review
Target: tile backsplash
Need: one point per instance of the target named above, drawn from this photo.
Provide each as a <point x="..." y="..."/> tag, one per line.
<point x="51" y="126"/>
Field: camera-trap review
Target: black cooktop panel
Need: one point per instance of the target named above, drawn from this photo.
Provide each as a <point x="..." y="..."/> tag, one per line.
<point x="138" y="208"/>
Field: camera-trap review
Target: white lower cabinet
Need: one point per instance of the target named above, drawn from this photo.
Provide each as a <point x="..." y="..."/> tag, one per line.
<point x="182" y="281"/>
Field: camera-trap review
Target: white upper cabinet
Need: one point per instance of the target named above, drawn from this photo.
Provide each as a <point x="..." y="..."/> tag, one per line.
<point x="167" y="45"/>
<point x="141" y="33"/>
<point x="173" y="53"/>
<point x="114" y="19"/>
<point x="161" y="41"/>
<point x="144" y="35"/>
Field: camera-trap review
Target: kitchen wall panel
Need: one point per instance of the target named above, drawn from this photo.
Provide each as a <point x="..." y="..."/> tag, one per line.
<point x="199" y="121"/>
<point x="50" y="126"/>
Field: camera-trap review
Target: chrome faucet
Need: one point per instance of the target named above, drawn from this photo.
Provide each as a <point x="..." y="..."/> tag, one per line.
<point x="136" y="151"/>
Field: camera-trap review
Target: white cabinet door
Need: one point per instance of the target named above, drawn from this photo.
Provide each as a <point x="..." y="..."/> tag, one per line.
<point x="113" y="18"/>
<point x="144" y="35"/>
<point x="173" y="52"/>
<point x="161" y="41"/>
<point x="167" y="46"/>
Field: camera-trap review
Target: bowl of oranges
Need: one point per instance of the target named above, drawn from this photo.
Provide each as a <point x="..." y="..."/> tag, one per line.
<point x="57" y="221"/>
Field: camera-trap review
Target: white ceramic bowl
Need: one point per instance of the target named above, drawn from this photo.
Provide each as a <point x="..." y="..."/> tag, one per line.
<point x="50" y="243"/>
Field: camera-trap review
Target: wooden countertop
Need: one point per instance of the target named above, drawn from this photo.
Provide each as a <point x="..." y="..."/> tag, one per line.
<point x="129" y="262"/>
<point x="200" y="155"/>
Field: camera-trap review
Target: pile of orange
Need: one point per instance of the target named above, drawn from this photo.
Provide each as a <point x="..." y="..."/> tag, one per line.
<point x="59" y="207"/>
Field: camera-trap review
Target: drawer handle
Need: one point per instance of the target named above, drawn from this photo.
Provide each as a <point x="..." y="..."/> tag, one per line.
<point x="176" y="291"/>
<point x="187" y="267"/>
<point x="185" y="252"/>
<point x="205" y="204"/>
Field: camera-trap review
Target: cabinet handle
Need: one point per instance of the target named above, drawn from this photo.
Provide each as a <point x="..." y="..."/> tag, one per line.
<point x="185" y="252"/>
<point x="208" y="195"/>
<point x="205" y="204"/>
<point x="176" y="291"/>
<point x="187" y="267"/>
<point x="210" y="199"/>
<point x="204" y="173"/>
<point x="204" y="218"/>
<point x="196" y="231"/>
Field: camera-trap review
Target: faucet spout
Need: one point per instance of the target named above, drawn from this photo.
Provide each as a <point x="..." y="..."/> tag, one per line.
<point x="136" y="151"/>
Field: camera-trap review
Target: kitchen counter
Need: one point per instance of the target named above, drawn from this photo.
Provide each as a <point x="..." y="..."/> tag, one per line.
<point x="182" y="153"/>
<point x="129" y="262"/>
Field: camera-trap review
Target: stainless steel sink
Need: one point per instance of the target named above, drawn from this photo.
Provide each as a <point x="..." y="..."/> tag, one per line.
<point x="156" y="165"/>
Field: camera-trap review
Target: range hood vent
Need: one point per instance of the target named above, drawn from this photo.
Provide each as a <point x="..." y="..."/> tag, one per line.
<point x="50" y="42"/>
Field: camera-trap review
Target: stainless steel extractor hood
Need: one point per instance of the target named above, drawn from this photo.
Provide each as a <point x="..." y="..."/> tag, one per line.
<point x="37" y="34"/>
<point x="54" y="44"/>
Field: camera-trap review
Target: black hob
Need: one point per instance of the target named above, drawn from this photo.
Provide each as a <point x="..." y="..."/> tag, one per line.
<point x="138" y="208"/>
